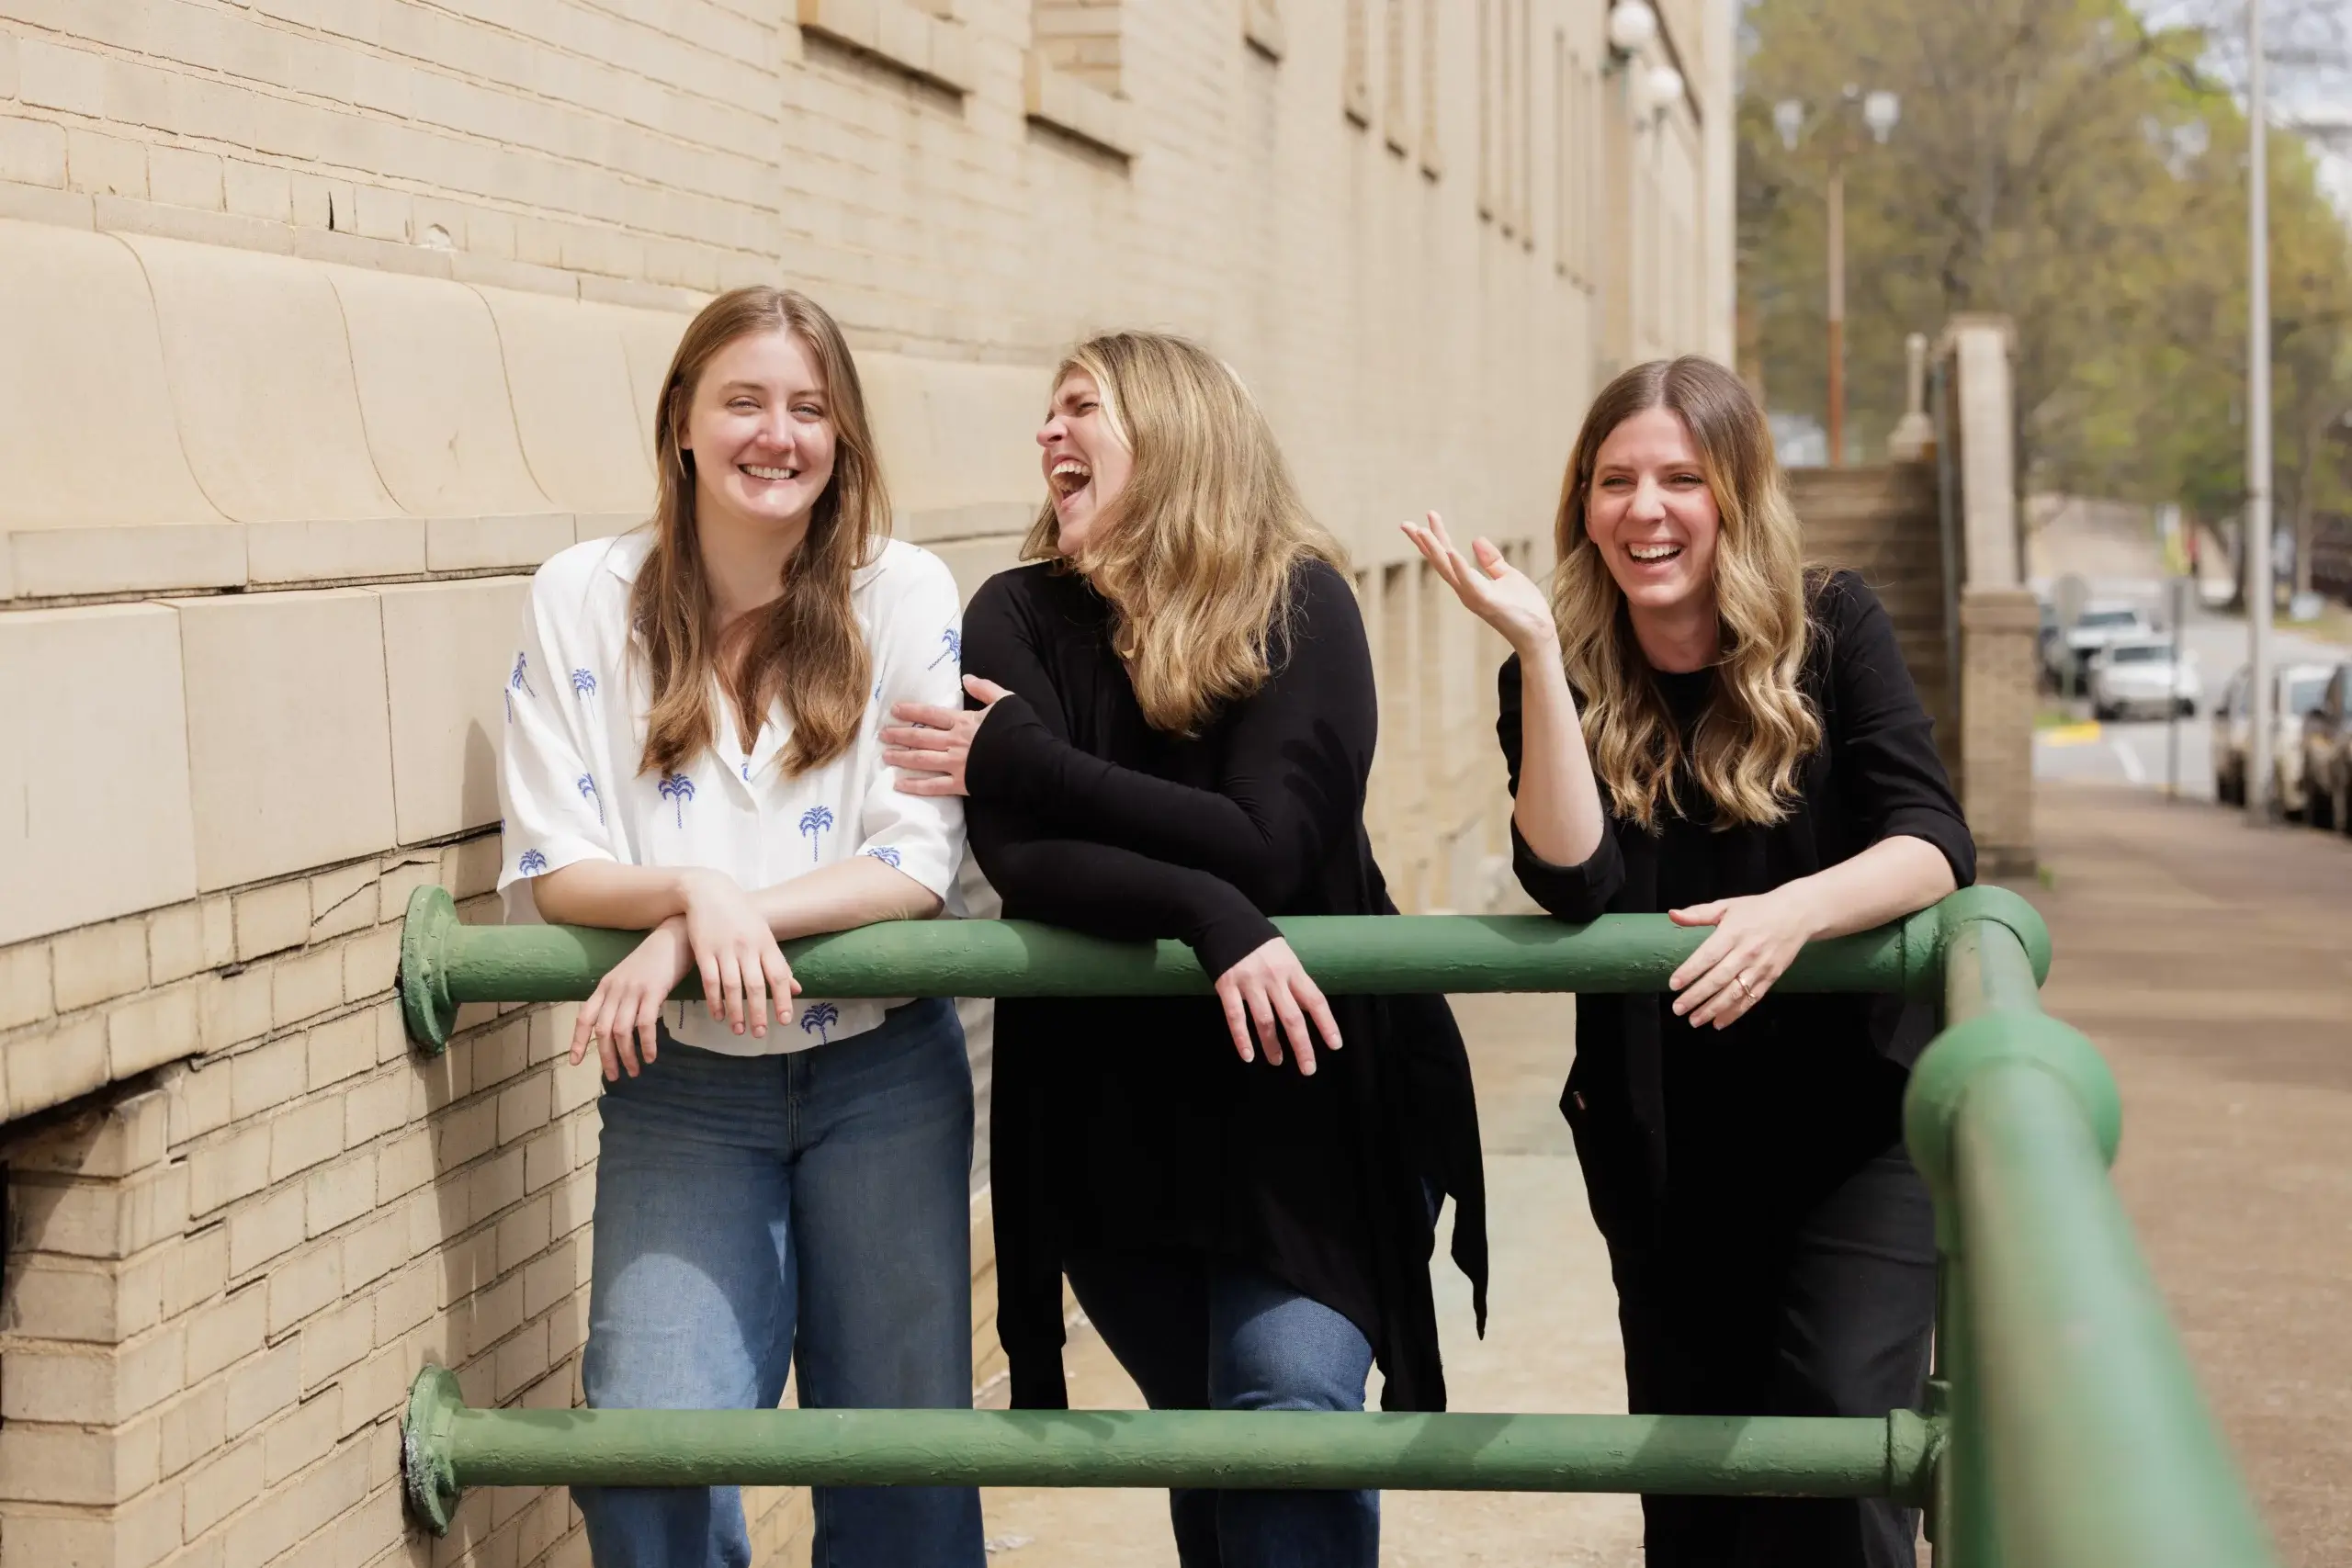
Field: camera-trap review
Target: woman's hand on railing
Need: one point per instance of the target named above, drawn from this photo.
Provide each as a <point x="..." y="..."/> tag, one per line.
<point x="1755" y="940"/>
<point x="745" y="981"/>
<point x="1270" y="985"/>
<point x="621" y="1018"/>
<point x="1493" y="589"/>
<point x="930" y="745"/>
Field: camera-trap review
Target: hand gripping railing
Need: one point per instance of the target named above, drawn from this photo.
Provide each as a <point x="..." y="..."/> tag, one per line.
<point x="2063" y="1429"/>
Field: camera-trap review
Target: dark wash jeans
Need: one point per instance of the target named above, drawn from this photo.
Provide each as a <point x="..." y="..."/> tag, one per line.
<point x="1198" y="1333"/>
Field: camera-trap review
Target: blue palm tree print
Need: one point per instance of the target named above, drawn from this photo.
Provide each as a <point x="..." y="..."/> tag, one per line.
<point x="519" y="681"/>
<point x="952" y="647"/>
<point x="819" y="1019"/>
<point x="680" y="789"/>
<point x="584" y="682"/>
<point x="814" y="822"/>
<point x="886" y="855"/>
<point x="586" y="783"/>
<point x="532" y="863"/>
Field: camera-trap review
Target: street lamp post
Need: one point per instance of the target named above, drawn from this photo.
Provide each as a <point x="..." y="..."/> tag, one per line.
<point x="2259" y="720"/>
<point x="1881" y="110"/>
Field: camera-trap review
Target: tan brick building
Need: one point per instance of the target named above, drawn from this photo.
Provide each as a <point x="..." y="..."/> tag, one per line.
<point x="324" y="321"/>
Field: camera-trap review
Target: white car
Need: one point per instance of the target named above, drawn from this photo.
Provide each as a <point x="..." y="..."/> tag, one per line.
<point x="2299" y="688"/>
<point x="2102" y="622"/>
<point x="2142" y="675"/>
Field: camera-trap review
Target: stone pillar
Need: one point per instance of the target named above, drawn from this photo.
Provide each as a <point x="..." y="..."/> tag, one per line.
<point x="1986" y="401"/>
<point x="1915" y="433"/>
<point x="1998" y="633"/>
<point x="1999" y="621"/>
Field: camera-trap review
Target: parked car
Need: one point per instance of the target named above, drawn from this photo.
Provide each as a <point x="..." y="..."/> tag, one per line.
<point x="2101" y="623"/>
<point x="2328" y="755"/>
<point x="2299" y="688"/>
<point x="2143" y="674"/>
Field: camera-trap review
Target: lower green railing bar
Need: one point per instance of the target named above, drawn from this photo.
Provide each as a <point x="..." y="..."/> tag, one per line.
<point x="450" y="1447"/>
<point x="445" y="964"/>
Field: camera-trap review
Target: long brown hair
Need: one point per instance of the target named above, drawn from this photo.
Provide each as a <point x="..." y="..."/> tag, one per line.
<point x="809" y="627"/>
<point x="1757" y="727"/>
<point x="1196" y="554"/>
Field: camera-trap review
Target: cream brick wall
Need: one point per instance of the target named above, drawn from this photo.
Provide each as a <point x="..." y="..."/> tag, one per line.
<point x="324" y="321"/>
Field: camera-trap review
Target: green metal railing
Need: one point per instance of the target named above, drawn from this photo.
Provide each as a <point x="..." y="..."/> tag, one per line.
<point x="2063" y="1429"/>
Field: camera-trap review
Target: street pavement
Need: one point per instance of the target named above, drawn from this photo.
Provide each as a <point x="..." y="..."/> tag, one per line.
<point x="2150" y="753"/>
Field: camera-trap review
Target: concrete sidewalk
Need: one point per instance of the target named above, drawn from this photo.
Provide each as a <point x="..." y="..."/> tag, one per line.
<point x="2210" y="962"/>
<point x="1550" y="1345"/>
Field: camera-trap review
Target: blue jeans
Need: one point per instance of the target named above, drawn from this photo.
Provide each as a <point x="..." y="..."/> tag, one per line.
<point x="1203" y="1334"/>
<point x="809" y="1209"/>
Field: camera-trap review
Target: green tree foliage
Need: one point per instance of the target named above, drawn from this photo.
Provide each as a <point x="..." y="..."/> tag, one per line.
<point x="2063" y="164"/>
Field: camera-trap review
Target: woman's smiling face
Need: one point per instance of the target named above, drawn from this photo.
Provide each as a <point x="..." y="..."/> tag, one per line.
<point x="1086" y="463"/>
<point x="761" y="431"/>
<point x="1651" y="512"/>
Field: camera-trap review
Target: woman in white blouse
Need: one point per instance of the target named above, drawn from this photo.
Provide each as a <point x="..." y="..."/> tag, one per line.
<point x="692" y="751"/>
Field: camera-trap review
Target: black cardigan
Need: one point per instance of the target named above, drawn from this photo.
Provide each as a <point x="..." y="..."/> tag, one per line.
<point x="1696" y="1133"/>
<point x="1127" y="1124"/>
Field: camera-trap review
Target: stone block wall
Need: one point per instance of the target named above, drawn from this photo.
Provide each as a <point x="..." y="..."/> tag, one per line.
<point x="322" y="323"/>
<point x="2000" y="659"/>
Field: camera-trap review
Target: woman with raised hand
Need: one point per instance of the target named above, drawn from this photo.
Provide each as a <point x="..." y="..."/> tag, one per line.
<point x="693" y="750"/>
<point x="1178" y="719"/>
<point x="1695" y="723"/>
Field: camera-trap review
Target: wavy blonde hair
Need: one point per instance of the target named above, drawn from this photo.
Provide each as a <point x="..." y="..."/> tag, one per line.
<point x="1196" y="554"/>
<point x="1757" y="727"/>
<point x="810" y="626"/>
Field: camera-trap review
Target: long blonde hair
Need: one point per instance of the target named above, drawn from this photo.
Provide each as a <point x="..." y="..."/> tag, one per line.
<point x="810" y="625"/>
<point x="1197" y="553"/>
<point x="1757" y="728"/>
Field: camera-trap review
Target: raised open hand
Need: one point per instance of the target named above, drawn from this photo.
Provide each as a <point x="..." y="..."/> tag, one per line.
<point x="1491" y="588"/>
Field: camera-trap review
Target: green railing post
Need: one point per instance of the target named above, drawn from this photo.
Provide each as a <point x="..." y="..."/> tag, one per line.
<point x="2077" y="1436"/>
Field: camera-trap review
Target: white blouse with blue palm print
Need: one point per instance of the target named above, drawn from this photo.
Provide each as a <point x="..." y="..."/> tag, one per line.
<point x="575" y="713"/>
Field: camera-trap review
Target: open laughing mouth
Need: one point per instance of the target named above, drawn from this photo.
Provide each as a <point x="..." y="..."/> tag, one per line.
<point x="1068" y="477"/>
<point x="1654" y="555"/>
<point x="769" y="475"/>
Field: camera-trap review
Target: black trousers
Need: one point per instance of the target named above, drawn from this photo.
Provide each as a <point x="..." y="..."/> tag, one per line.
<point x="1830" y="1317"/>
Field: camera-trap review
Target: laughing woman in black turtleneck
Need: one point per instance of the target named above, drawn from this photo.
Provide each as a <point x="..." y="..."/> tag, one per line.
<point x="1180" y="721"/>
<point x="1696" y="724"/>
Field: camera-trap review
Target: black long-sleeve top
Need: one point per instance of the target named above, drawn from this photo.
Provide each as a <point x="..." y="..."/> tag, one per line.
<point x="1700" y="1135"/>
<point x="1132" y="1125"/>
